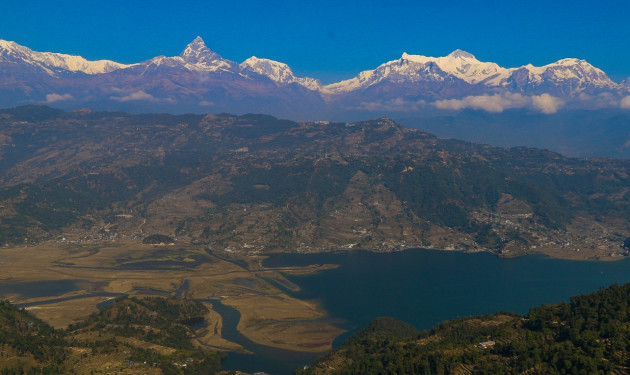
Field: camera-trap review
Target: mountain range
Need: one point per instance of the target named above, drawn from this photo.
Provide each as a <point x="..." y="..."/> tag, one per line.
<point x="200" y="80"/>
<point x="254" y="183"/>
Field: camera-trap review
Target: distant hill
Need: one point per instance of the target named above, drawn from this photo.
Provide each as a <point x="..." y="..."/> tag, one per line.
<point x="255" y="183"/>
<point x="589" y="335"/>
<point x="580" y="133"/>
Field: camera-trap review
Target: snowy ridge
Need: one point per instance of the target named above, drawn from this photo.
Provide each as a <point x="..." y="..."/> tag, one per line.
<point x="463" y="65"/>
<point x="199" y="79"/>
<point x="198" y="57"/>
<point x="15" y="53"/>
<point x="577" y="70"/>
<point x="277" y="71"/>
<point x="195" y="57"/>
<point x="364" y="79"/>
<point x="416" y="68"/>
<point x="575" y="74"/>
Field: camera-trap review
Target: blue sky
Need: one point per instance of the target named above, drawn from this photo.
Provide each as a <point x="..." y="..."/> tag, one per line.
<point x="329" y="40"/>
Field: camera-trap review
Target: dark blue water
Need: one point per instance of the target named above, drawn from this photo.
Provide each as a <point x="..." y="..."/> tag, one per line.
<point x="421" y="287"/>
<point x="425" y="287"/>
<point x="35" y="289"/>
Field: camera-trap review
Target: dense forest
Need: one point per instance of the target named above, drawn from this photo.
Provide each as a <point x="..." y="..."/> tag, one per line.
<point x="588" y="335"/>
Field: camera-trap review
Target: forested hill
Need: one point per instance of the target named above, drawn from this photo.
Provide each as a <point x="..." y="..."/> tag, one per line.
<point x="255" y="183"/>
<point x="588" y="335"/>
<point x="131" y="336"/>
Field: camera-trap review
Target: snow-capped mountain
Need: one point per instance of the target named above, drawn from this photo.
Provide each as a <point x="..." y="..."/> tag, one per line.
<point x="13" y="53"/>
<point x="565" y="77"/>
<point x="200" y="80"/>
<point x="416" y="68"/>
<point x="195" y="57"/>
<point x="277" y="72"/>
<point x="465" y="66"/>
<point x="571" y="76"/>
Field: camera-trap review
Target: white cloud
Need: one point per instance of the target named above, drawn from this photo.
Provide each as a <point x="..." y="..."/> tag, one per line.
<point x="497" y="103"/>
<point x="625" y="102"/>
<point x="546" y="103"/>
<point x="601" y="100"/>
<point x="206" y="103"/>
<point x="51" y="98"/>
<point x="138" y="95"/>
<point x="397" y="104"/>
<point x="491" y="103"/>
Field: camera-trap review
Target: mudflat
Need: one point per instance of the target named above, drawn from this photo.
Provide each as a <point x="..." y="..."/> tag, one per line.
<point x="91" y="274"/>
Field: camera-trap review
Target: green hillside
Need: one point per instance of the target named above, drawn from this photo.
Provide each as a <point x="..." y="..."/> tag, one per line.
<point x="588" y="335"/>
<point x="131" y="336"/>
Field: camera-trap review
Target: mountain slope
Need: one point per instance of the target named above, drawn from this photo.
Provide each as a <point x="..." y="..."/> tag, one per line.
<point x="53" y="63"/>
<point x="568" y="76"/>
<point x="131" y="336"/>
<point x="277" y="72"/>
<point x="200" y="80"/>
<point x="586" y="336"/>
<point x="602" y="133"/>
<point x="256" y="184"/>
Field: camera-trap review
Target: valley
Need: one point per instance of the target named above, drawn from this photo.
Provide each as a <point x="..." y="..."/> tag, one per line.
<point x="96" y="206"/>
<point x="275" y="314"/>
<point x="294" y="188"/>
<point x="268" y="316"/>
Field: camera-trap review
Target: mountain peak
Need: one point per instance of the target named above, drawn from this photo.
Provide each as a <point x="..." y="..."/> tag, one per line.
<point x="278" y="72"/>
<point x="458" y="53"/>
<point x="197" y="43"/>
<point x="196" y="52"/>
<point x="571" y="61"/>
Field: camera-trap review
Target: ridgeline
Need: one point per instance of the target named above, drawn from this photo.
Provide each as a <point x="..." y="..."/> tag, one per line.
<point x="253" y="184"/>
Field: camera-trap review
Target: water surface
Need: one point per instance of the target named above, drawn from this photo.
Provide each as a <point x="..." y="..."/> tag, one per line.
<point x="36" y="289"/>
<point x="425" y="287"/>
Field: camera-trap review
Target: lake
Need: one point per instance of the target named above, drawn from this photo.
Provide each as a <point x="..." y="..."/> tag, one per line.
<point x="425" y="287"/>
<point x="421" y="287"/>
